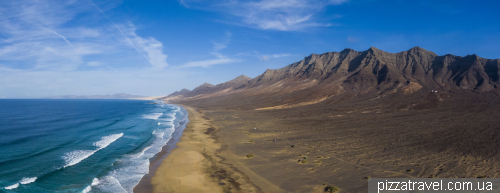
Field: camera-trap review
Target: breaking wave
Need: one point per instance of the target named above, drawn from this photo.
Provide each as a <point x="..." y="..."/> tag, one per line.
<point x="152" y="116"/>
<point x="12" y="186"/>
<point x="27" y="180"/>
<point x="75" y="157"/>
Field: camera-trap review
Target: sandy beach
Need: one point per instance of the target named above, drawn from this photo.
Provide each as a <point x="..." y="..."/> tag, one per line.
<point x="194" y="166"/>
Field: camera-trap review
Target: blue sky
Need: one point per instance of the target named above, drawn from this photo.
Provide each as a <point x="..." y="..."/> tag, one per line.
<point x="156" y="47"/>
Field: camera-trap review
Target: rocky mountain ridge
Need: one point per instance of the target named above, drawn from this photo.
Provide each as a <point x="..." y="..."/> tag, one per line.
<point x="373" y="73"/>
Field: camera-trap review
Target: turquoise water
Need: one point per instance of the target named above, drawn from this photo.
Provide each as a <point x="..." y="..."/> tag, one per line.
<point x="81" y="145"/>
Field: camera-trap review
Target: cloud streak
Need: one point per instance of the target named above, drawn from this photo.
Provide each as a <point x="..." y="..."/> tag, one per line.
<point x="151" y="46"/>
<point x="35" y="35"/>
<point x="65" y="47"/>
<point x="267" y="57"/>
<point x="208" y="63"/>
<point x="221" y="58"/>
<point x="291" y="15"/>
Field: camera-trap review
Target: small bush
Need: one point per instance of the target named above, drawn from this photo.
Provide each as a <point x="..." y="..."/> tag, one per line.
<point x="318" y="162"/>
<point x="251" y="141"/>
<point x="304" y="161"/>
<point x="410" y="170"/>
<point x="431" y="176"/>
<point x="332" y="189"/>
<point x="367" y="177"/>
<point x="250" y="156"/>
<point x="482" y="177"/>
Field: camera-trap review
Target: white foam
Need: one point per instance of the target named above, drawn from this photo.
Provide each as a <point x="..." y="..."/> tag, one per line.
<point x="87" y="189"/>
<point x="74" y="157"/>
<point x="170" y="114"/>
<point x="152" y="116"/>
<point x="109" y="184"/>
<point x="95" y="182"/>
<point x="12" y="186"/>
<point x="158" y="134"/>
<point x="106" y="140"/>
<point x="169" y="124"/>
<point x="159" y="123"/>
<point x="133" y="167"/>
<point x="142" y="151"/>
<point x="169" y="119"/>
<point x="129" y="176"/>
<point x="27" y="180"/>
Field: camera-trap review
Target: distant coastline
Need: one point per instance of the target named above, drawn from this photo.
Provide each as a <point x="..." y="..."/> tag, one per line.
<point x="107" y="96"/>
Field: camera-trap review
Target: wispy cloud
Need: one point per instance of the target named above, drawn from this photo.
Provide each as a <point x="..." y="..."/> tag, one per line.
<point x="267" y="57"/>
<point x="62" y="35"/>
<point x="208" y="63"/>
<point x="221" y="58"/>
<point x="281" y="15"/>
<point x="149" y="48"/>
<point x="72" y="47"/>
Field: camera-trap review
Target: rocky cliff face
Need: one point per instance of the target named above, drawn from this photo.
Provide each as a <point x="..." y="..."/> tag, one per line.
<point x="371" y="72"/>
<point x="376" y="69"/>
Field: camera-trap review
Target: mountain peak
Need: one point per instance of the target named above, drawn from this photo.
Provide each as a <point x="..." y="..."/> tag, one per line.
<point x="417" y="49"/>
<point x="239" y="80"/>
<point x="206" y="84"/>
<point x="347" y="49"/>
<point x="373" y="50"/>
<point x="240" y="77"/>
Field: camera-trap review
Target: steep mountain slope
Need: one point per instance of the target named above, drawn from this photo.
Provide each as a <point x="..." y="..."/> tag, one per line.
<point x="349" y="73"/>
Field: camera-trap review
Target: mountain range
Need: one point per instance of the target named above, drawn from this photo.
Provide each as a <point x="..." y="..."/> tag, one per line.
<point x="349" y="73"/>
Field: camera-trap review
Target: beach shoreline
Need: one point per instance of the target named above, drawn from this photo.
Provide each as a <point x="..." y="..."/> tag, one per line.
<point x="144" y="185"/>
<point x="194" y="165"/>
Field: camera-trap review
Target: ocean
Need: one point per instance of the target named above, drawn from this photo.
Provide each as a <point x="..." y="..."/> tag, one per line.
<point x="81" y="145"/>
